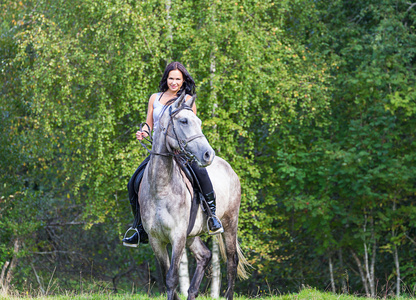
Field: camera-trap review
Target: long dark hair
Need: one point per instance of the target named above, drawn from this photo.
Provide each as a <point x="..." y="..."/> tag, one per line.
<point x="188" y="85"/>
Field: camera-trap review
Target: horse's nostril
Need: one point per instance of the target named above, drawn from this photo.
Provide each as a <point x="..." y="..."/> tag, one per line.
<point x="207" y="155"/>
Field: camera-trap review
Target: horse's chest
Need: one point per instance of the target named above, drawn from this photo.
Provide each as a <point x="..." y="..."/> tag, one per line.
<point x="168" y="213"/>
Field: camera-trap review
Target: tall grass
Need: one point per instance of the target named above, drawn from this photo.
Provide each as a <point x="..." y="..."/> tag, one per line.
<point x="304" y="294"/>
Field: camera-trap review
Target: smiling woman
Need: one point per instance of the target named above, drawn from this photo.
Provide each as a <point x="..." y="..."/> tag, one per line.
<point x="176" y="81"/>
<point x="176" y="72"/>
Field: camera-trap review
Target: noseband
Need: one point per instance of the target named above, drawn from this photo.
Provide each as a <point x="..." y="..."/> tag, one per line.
<point x="182" y="143"/>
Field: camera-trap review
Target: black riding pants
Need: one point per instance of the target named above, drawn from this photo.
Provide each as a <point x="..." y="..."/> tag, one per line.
<point x="133" y="188"/>
<point x="134" y="184"/>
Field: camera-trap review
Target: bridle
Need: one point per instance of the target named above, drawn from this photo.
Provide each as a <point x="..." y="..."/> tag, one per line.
<point x="183" y="143"/>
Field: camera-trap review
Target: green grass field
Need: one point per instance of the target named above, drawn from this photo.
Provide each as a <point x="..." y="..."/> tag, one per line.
<point x="309" y="294"/>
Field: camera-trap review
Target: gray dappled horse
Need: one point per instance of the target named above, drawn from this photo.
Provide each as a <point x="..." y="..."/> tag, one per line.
<point x="165" y="201"/>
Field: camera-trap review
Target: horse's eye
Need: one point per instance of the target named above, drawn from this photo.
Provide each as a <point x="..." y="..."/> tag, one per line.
<point x="184" y="121"/>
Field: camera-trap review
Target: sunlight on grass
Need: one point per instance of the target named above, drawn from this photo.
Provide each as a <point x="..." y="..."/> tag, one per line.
<point x="305" y="294"/>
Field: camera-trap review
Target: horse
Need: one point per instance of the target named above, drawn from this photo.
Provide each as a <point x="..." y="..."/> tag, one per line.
<point x="165" y="201"/>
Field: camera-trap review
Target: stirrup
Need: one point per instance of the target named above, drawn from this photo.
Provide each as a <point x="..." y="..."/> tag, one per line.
<point x="132" y="245"/>
<point x="219" y="230"/>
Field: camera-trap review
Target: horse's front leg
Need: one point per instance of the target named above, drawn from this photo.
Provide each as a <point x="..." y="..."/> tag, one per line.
<point x="172" y="277"/>
<point x="203" y="258"/>
<point x="162" y="256"/>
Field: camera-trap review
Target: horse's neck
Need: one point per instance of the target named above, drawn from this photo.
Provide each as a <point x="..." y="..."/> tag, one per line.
<point x="161" y="167"/>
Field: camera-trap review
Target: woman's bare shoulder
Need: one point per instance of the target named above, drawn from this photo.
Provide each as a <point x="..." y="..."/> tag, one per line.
<point x="152" y="98"/>
<point x="187" y="97"/>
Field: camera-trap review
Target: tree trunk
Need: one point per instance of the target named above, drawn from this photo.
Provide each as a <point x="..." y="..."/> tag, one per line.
<point x="341" y="263"/>
<point x="38" y="279"/>
<point x="184" y="274"/>
<point x="367" y="269"/>
<point x="216" y="267"/>
<point x="396" y="257"/>
<point x="211" y="83"/>
<point x="9" y="271"/>
<point x="371" y="269"/>
<point x="212" y="69"/>
<point x="396" y="261"/>
<point x="369" y="266"/>
<point x="168" y="7"/>
<point x="367" y="272"/>
<point x="3" y="273"/>
<point x="361" y="270"/>
<point x="331" y="273"/>
<point x="216" y="270"/>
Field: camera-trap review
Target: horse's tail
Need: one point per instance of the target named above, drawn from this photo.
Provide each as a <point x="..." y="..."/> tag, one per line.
<point x="243" y="264"/>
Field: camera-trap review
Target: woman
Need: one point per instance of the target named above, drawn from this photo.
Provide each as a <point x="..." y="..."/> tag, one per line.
<point x="175" y="81"/>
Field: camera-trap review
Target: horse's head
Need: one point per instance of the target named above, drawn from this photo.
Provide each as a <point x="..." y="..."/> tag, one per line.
<point x="182" y="129"/>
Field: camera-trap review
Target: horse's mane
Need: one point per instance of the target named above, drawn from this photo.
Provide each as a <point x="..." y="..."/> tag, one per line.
<point x="169" y="103"/>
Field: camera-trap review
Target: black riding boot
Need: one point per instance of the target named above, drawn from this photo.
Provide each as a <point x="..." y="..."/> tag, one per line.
<point x="133" y="241"/>
<point x="133" y="187"/>
<point x="214" y="224"/>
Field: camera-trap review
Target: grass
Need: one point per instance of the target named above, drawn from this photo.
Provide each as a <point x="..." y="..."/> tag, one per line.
<point x="305" y="294"/>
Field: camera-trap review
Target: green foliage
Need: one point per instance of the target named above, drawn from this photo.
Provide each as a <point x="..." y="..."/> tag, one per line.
<point x="312" y="103"/>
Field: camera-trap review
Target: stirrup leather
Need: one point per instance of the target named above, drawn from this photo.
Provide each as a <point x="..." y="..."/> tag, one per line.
<point x="131" y="245"/>
<point x="219" y="230"/>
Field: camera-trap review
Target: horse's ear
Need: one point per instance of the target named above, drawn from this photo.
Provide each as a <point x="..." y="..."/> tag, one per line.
<point x="179" y="101"/>
<point x="191" y="101"/>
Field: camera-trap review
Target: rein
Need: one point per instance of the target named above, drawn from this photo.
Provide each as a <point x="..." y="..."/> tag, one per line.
<point x="150" y="140"/>
<point x="182" y="143"/>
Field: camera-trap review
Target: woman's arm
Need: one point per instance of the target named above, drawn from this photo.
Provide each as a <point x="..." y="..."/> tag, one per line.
<point x="149" y="119"/>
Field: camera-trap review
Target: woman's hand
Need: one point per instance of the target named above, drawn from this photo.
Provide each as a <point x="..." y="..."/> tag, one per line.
<point x="141" y="135"/>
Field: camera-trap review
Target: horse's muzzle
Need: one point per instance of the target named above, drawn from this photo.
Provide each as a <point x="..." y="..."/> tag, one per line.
<point x="207" y="158"/>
